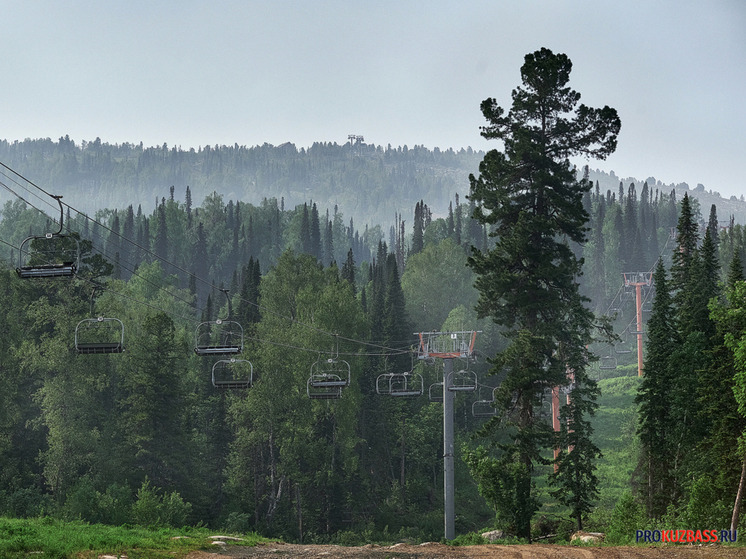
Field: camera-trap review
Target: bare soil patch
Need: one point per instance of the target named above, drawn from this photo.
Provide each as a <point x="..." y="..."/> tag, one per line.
<point x="437" y="550"/>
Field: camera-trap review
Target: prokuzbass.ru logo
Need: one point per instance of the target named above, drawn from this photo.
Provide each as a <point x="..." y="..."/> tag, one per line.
<point x="686" y="536"/>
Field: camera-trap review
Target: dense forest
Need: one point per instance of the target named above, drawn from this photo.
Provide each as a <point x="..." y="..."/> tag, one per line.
<point x="368" y="183"/>
<point x="145" y="436"/>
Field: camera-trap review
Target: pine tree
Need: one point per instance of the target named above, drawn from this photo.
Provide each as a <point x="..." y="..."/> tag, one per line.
<point x="532" y="198"/>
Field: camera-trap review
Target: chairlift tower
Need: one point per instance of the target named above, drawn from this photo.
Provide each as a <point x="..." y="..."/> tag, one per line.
<point x="638" y="280"/>
<point x="448" y="346"/>
<point x="356" y="140"/>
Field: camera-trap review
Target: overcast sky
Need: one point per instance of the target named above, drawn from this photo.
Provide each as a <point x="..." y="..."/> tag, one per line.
<point x="191" y="73"/>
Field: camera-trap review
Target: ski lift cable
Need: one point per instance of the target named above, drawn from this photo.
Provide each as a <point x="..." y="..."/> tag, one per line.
<point x="31" y="193"/>
<point x="132" y="269"/>
<point x="207" y="282"/>
<point x="194" y="320"/>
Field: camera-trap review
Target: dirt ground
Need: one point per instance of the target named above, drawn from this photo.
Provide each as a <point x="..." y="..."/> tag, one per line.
<point x="436" y="550"/>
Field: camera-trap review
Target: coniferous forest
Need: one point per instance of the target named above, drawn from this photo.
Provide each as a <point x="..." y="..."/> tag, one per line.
<point x="116" y="407"/>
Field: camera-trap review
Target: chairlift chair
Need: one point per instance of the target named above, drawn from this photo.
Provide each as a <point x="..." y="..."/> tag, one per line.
<point x="435" y="392"/>
<point x="330" y="373"/>
<point x="484" y="408"/>
<point x="324" y="387"/>
<point x="50" y="255"/>
<point x="608" y="362"/>
<point x="232" y="374"/>
<point x="219" y="337"/>
<point x="99" y="335"/>
<point x="328" y="378"/>
<point x="406" y="385"/>
<point x="623" y="347"/>
<point x="383" y="384"/>
<point x="462" y="381"/>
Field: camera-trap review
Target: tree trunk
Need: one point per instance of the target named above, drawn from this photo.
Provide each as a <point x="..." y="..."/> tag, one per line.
<point x="739" y="496"/>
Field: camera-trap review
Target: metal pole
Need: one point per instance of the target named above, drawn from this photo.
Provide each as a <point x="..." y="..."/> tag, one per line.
<point x="448" y="484"/>
<point x="638" y="302"/>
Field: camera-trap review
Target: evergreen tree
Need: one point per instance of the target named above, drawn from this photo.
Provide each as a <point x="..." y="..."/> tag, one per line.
<point x="328" y="257"/>
<point x="735" y="271"/>
<point x="712" y="225"/>
<point x="655" y="421"/>
<point x="188" y="207"/>
<point x="161" y="234"/>
<point x="418" y="228"/>
<point x="687" y="239"/>
<point x="305" y="231"/>
<point x="315" y="231"/>
<point x="528" y="282"/>
<point x="348" y="270"/>
<point x="128" y="238"/>
<point x="576" y="464"/>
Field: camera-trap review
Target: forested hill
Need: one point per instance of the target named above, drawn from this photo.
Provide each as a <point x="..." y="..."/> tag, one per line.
<point x="369" y="183"/>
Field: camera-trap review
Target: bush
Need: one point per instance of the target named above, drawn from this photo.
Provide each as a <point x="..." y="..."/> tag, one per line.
<point x="28" y="502"/>
<point x="150" y="509"/>
<point x="83" y="502"/>
<point x="472" y="538"/>
<point x="706" y="507"/>
<point x="237" y="523"/>
<point x="626" y="519"/>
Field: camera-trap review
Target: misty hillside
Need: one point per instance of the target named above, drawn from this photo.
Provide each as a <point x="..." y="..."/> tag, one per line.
<point x="371" y="184"/>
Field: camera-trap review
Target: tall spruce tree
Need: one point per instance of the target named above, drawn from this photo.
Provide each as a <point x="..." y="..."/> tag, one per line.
<point x="531" y="198"/>
<point x="655" y="423"/>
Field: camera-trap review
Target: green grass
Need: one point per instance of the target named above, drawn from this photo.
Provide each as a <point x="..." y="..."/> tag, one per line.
<point x="78" y="540"/>
<point x="614" y="428"/>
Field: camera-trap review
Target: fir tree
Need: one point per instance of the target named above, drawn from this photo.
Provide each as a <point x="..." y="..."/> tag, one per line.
<point x="348" y="270"/>
<point x="418" y="229"/>
<point x="655" y="421"/>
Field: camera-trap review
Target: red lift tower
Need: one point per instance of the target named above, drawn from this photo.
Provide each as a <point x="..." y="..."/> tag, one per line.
<point x="638" y="280"/>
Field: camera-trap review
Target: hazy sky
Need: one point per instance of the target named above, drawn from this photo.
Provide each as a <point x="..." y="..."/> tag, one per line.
<point x="191" y="73"/>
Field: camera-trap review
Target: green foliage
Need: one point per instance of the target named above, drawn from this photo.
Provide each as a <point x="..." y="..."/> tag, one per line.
<point x="533" y="201"/>
<point x="626" y="518"/>
<point x="153" y="509"/>
<point x="504" y="483"/>
<point x="77" y="433"/>
<point x="707" y="506"/>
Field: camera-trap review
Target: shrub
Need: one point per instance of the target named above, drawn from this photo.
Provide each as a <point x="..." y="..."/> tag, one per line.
<point x="472" y="538"/>
<point x="152" y="509"/>
<point x="626" y="519"/>
<point x="28" y="502"/>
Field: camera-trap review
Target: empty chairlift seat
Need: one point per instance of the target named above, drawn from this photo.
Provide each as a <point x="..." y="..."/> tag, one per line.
<point x="219" y="337"/>
<point x="99" y="335"/>
<point x="232" y="374"/>
<point x="50" y="255"/>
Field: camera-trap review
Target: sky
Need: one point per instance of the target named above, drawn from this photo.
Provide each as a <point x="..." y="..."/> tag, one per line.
<point x="403" y="72"/>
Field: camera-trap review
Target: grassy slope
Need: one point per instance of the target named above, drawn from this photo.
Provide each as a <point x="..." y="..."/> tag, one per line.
<point x="614" y="427"/>
<point x="63" y="540"/>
